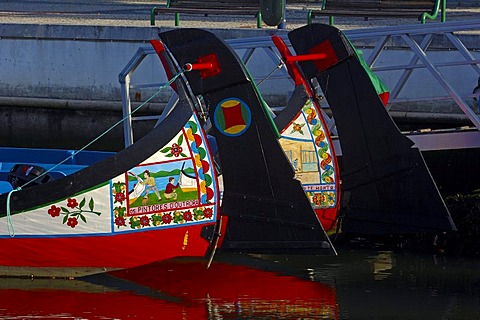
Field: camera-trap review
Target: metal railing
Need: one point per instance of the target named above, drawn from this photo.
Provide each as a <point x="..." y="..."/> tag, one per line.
<point x="414" y="40"/>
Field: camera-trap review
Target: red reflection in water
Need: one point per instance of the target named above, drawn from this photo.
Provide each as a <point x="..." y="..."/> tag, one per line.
<point x="238" y="290"/>
<point x="171" y="290"/>
<point x="68" y="304"/>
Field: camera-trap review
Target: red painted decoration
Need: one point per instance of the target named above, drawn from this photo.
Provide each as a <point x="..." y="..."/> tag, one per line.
<point x="331" y="58"/>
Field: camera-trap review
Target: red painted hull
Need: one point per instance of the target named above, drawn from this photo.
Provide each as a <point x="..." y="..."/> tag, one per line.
<point x="328" y="218"/>
<point x="110" y="252"/>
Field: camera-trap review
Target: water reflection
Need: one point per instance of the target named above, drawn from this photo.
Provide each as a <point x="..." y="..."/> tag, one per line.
<point x="181" y="289"/>
<point x="373" y="284"/>
<point x="383" y="264"/>
<point x="230" y="291"/>
<point x="357" y="284"/>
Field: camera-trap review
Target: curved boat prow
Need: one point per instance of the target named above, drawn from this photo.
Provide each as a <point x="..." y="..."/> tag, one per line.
<point x="124" y="211"/>
<point x="386" y="184"/>
<point x="306" y="140"/>
<point x="266" y="206"/>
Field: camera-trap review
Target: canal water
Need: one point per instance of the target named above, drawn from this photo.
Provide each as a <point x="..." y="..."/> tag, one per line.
<point x="359" y="283"/>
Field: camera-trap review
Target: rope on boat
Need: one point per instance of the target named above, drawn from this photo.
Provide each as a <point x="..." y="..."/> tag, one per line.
<point x="10" y="227"/>
<point x="111" y="128"/>
<point x="278" y="67"/>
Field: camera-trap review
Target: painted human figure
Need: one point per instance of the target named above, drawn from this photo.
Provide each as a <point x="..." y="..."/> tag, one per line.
<point x="169" y="189"/>
<point x="151" y="185"/>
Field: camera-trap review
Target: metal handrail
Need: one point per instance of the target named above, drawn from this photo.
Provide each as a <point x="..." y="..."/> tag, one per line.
<point x="414" y="38"/>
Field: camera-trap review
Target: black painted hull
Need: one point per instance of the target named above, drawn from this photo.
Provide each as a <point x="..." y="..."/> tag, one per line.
<point x="267" y="209"/>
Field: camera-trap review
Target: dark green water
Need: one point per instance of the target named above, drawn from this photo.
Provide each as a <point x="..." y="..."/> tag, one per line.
<point x="372" y="284"/>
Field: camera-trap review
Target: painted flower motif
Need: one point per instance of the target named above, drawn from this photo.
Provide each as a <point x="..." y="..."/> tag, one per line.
<point x="120" y="211"/>
<point x="134" y="223"/>
<point x="74" y="211"/>
<point x="144" y="221"/>
<point x="208" y="213"/>
<point x="118" y="187"/>
<point x="331" y="198"/>
<point x="72" y="222"/>
<point x="297" y="127"/>
<point x="54" y="211"/>
<point x="187" y="215"/>
<point x="120" y="221"/>
<point x="166" y="218"/>
<point x="311" y="116"/>
<point x="156" y="219"/>
<point x="318" y="198"/>
<point x="119" y="197"/>
<point x="176" y="150"/>
<point x="72" y="203"/>
<point x="178" y="217"/>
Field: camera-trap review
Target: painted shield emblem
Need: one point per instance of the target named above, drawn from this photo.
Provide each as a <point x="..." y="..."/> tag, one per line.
<point x="232" y="117"/>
